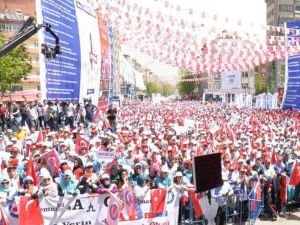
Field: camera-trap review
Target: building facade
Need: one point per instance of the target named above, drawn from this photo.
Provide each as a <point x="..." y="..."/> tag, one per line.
<point x="10" y="23"/>
<point x="278" y="13"/>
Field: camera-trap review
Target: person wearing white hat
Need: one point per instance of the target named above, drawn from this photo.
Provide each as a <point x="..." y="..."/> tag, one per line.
<point x="164" y="180"/>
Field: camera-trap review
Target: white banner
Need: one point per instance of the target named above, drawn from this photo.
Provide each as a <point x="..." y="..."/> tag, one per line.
<point x="92" y="209"/>
<point x="231" y="80"/>
<point x="107" y="157"/>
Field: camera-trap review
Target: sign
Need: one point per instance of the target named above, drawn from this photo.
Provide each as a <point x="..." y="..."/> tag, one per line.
<point x="92" y="209"/>
<point x="207" y="172"/>
<point x="107" y="157"/>
<point x="231" y="80"/>
<point x="75" y="73"/>
<point x="291" y="98"/>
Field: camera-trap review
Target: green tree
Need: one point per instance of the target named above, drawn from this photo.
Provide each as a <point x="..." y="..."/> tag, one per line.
<point x="260" y="84"/>
<point x="167" y="89"/>
<point x="152" y="87"/>
<point x="14" y="66"/>
<point x="186" y="87"/>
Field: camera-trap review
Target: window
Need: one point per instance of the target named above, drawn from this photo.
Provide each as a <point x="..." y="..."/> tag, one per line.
<point x="16" y="87"/>
<point x="285" y="8"/>
<point x="9" y="27"/>
<point x="245" y="85"/>
<point x="245" y="74"/>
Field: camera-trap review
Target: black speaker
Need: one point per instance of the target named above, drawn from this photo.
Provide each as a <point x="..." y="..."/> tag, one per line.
<point x="207" y="172"/>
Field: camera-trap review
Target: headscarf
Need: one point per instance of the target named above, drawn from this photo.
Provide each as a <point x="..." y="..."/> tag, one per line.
<point x="5" y="190"/>
<point x="68" y="186"/>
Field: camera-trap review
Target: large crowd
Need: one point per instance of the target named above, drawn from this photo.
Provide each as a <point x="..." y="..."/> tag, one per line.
<point x="154" y="146"/>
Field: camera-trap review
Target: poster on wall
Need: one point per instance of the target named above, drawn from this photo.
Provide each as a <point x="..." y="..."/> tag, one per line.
<point x="75" y="73"/>
<point x="230" y="80"/>
<point x="291" y="96"/>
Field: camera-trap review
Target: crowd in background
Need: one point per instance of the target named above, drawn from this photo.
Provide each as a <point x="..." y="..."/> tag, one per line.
<point x="154" y="146"/>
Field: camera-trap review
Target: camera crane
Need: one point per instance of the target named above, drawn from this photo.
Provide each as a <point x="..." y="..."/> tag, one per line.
<point x="28" y="29"/>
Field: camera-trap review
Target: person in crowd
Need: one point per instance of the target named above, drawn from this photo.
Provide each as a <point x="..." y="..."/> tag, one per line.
<point x="68" y="185"/>
<point x="6" y="190"/>
<point x="29" y="189"/>
<point x="164" y="180"/>
<point x="47" y="186"/>
<point x="78" y="169"/>
<point x="106" y="186"/>
<point x="137" y="171"/>
<point x="141" y="188"/>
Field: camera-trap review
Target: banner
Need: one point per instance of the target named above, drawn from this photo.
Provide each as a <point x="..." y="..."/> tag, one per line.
<point x="291" y="98"/>
<point x="73" y="74"/>
<point x="105" y="63"/>
<point x="93" y="210"/>
<point x="231" y="80"/>
<point x="112" y="71"/>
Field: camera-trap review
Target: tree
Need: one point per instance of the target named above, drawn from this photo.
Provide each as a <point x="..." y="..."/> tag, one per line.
<point x="152" y="87"/>
<point x="260" y="84"/>
<point x="167" y="89"/>
<point x="186" y="87"/>
<point x="14" y="66"/>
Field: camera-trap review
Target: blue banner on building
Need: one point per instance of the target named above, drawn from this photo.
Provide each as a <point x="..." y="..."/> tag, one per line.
<point x="75" y="73"/>
<point x="291" y="99"/>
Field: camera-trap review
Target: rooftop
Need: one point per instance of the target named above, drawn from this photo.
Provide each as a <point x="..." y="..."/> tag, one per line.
<point x="12" y="16"/>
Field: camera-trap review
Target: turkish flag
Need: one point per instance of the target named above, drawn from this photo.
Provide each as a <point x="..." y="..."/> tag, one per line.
<point x="53" y="161"/>
<point x="31" y="171"/>
<point x="81" y="142"/>
<point x="110" y="165"/>
<point x="274" y="157"/>
<point x="295" y="176"/>
<point x="30" y="212"/>
<point x="114" y="210"/>
<point x="195" y="198"/>
<point x="129" y="201"/>
<point x="158" y="198"/>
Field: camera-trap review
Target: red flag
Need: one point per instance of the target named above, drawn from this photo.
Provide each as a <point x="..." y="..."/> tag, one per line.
<point x="295" y="176"/>
<point x="195" y="197"/>
<point x="114" y="211"/>
<point x="31" y="171"/>
<point x="274" y="157"/>
<point x="30" y="212"/>
<point x="283" y="189"/>
<point x="53" y="161"/>
<point x="129" y="201"/>
<point x="40" y="137"/>
<point x="81" y="142"/>
<point x="110" y="165"/>
<point x="158" y="198"/>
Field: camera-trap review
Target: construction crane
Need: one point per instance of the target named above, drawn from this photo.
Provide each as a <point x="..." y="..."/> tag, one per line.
<point x="28" y="29"/>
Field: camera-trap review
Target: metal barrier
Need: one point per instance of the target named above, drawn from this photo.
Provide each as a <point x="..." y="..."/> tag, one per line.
<point x="234" y="207"/>
<point x="187" y="216"/>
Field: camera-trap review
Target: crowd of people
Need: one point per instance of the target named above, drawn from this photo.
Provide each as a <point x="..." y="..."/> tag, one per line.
<point x="154" y="146"/>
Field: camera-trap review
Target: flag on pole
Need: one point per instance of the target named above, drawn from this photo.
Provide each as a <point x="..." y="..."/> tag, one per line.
<point x="53" y="161"/>
<point x="295" y="176"/>
<point x="195" y="198"/>
<point x="31" y="171"/>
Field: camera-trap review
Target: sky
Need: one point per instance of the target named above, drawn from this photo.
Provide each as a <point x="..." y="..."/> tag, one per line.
<point x="248" y="11"/>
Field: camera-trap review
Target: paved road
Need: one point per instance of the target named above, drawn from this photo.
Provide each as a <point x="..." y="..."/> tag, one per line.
<point x="291" y="219"/>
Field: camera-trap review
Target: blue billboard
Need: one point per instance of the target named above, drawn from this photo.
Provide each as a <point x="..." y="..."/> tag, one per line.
<point x="291" y="98"/>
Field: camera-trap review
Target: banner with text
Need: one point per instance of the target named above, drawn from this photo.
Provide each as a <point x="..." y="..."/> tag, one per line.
<point x="93" y="210"/>
<point x="231" y="80"/>
<point x="291" y="97"/>
<point x="75" y="73"/>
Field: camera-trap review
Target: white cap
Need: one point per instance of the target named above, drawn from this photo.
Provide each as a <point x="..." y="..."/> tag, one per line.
<point x="105" y="176"/>
<point x="165" y="169"/>
<point x="88" y="164"/>
<point x="178" y="174"/>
